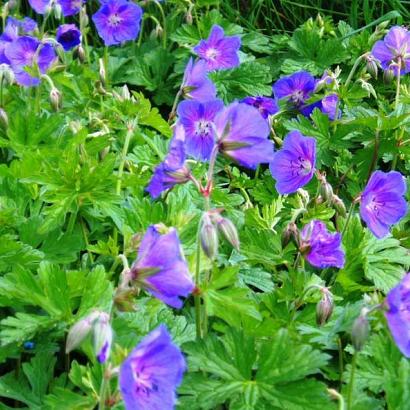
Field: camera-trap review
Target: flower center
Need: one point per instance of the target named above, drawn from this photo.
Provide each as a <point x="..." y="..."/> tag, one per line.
<point x="114" y="20"/>
<point x="301" y="166"/>
<point x="211" y="53"/>
<point x="203" y="128"/>
<point x="374" y="205"/>
<point x="144" y="383"/>
<point x="298" y="97"/>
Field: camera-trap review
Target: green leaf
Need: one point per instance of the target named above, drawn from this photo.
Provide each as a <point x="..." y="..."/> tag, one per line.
<point x="251" y="78"/>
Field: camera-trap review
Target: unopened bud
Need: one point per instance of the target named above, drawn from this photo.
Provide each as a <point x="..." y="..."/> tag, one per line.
<point x="11" y="4"/>
<point x="360" y="332"/>
<point x="388" y="75"/>
<point x="326" y="190"/>
<point x="102" y="337"/>
<point x="55" y="99"/>
<point x="81" y="53"/>
<point x="4" y="119"/>
<point x="124" y="299"/>
<point x="84" y="20"/>
<point x="80" y="331"/>
<point x="304" y="196"/>
<point x="290" y="234"/>
<point x="102" y="72"/>
<point x="188" y="16"/>
<point x="6" y="74"/>
<point x="209" y="237"/>
<point x="371" y="67"/>
<point x="125" y="92"/>
<point x="324" y="308"/>
<point x="339" y="205"/>
<point x="159" y="31"/>
<point x="229" y="231"/>
<point x="58" y="11"/>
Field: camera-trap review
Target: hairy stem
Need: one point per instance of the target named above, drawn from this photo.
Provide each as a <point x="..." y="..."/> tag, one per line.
<point x="351" y="381"/>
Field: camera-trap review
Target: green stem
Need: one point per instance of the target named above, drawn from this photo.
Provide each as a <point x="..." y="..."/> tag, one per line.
<point x="124" y="152"/>
<point x="351" y="381"/>
<point x="349" y="216"/>
<point x="397" y="97"/>
<point x="353" y="70"/>
<point x="375" y="154"/>
<point x="84" y="229"/>
<point x="164" y="25"/>
<point x="197" y="297"/>
<point x="339" y="345"/>
<point x="396" y="106"/>
<point x="130" y="133"/>
<point x="174" y="105"/>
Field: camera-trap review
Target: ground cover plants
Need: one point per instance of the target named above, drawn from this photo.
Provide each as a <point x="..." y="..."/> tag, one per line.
<point x="203" y="211"/>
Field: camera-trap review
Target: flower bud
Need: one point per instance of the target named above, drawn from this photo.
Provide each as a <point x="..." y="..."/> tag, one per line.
<point x="339" y="205"/>
<point x="209" y="237"/>
<point x="6" y="74"/>
<point x="324" y="308"/>
<point x="159" y="31"/>
<point x="102" y="337"/>
<point x="4" y="119"/>
<point x="84" y="20"/>
<point x="81" y="53"/>
<point x="326" y="190"/>
<point x="388" y="76"/>
<point x="11" y="4"/>
<point x="188" y="16"/>
<point x="229" y="231"/>
<point x="80" y="331"/>
<point x="290" y="234"/>
<point x="360" y="331"/>
<point x="102" y="72"/>
<point x="55" y="99"/>
<point x="58" y="11"/>
<point x="304" y="196"/>
<point x="371" y="67"/>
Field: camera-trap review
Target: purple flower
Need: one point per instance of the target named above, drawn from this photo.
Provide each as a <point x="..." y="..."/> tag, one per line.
<point x="196" y="84"/>
<point x="398" y="314"/>
<point x="22" y="52"/>
<point x="197" y="119"/>
<point x="172" y="170"/>
<point x="394" y="50"/>
<point x="293" y="165"/>
<point x="320" y="247"/>
<point x="328" y="105"/>
<point x="218" y="51"/>
<point x="40" y="6"/>
<point x="14" y="28"/>
<point x="161" y="268"/>
<point x="69" y="36"/>
<point x="118" y="21"/>
<point x="243" y="135"/>
<point x="151" y="373"/>
<point x="70" y="7"/>
<point x="295" y="88"/>
<point x="266" y="106"/>
<point x="382" y="203"/>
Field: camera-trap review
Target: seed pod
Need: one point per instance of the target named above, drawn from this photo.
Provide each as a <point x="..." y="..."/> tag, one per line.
<point x="360" y="332"/>
<point x="229" y="231"/>
<point x="324" y="308"/>
<point x="339" y="205"/>
<point x="102" y="337"/>
<point x="209" y="237"/>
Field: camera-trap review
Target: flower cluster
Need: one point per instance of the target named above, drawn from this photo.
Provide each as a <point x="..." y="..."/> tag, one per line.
<point x="296" y="89"/>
